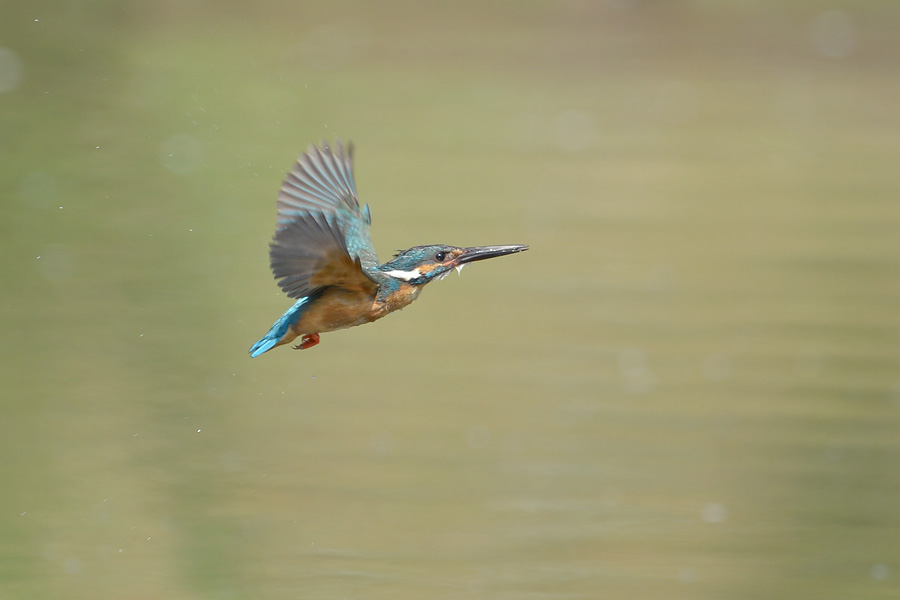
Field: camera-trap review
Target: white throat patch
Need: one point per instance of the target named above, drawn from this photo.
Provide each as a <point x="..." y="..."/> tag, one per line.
<point x="404" y="275"/>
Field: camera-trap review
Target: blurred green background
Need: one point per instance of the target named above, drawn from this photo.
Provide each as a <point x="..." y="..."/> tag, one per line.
<point x="689" y="387"/>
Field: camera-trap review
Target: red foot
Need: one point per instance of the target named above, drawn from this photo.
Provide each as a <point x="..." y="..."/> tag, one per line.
<point x="309" y="340"/>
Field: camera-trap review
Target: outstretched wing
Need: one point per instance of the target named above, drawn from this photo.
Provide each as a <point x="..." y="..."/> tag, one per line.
<point x="322" y="236"/>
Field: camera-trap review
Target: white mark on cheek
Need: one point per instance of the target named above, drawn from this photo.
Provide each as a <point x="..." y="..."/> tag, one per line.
<point x="404" y="275"/>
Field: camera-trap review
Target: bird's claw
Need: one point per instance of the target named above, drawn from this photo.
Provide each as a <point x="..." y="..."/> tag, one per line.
<point x="309" y="340"/>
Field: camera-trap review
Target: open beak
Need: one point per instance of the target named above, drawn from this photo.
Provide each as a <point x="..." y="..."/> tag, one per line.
<point x="483" y="252"/>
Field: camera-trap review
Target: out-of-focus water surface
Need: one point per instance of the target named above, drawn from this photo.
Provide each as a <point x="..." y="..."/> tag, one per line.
<point x="689" y="387"/>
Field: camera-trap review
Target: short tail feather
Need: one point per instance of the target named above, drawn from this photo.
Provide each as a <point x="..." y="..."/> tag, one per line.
<point x="281" y="327"/>
<point x="265" y="344"/>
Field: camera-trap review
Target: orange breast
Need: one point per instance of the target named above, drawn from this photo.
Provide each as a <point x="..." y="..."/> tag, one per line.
<point x="339" y="308"/>
<point x="396" y="300"/>
<point x="336" y="308"/>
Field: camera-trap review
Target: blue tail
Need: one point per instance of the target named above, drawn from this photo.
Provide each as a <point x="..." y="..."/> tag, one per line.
<point x="281" y="327"/>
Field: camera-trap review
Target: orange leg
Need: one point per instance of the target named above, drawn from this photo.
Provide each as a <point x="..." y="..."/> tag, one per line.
<point x="309" y="340"/>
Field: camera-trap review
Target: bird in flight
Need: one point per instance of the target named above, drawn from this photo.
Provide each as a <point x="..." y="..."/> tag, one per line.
<point x="323" y="258"/>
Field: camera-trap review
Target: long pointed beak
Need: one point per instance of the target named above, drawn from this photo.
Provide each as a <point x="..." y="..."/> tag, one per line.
<point x="483" y="252"/>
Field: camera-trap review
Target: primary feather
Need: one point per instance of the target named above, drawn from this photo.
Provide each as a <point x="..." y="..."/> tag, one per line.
<point x="322" y="237"/>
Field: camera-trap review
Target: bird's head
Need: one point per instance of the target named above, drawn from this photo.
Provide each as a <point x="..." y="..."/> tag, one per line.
<point x="421" y="264"/>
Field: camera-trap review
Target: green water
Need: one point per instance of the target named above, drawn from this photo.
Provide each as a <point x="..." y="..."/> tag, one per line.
<point x="689" y="387"/>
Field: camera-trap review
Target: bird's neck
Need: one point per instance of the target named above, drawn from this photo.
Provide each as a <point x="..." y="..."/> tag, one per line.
<point x="395" y="294"/>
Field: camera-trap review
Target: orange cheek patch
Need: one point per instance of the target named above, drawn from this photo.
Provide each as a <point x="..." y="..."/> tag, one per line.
<point x="425" y="269"/>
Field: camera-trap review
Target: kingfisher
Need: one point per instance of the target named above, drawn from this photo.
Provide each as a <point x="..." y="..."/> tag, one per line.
<point x="322" y="255"/>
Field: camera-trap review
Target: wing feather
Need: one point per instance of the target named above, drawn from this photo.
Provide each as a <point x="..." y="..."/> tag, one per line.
<point x="322" y="236"/>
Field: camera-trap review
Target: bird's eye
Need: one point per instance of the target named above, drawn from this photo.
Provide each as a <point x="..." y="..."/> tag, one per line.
<point x="440" y="256"/>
